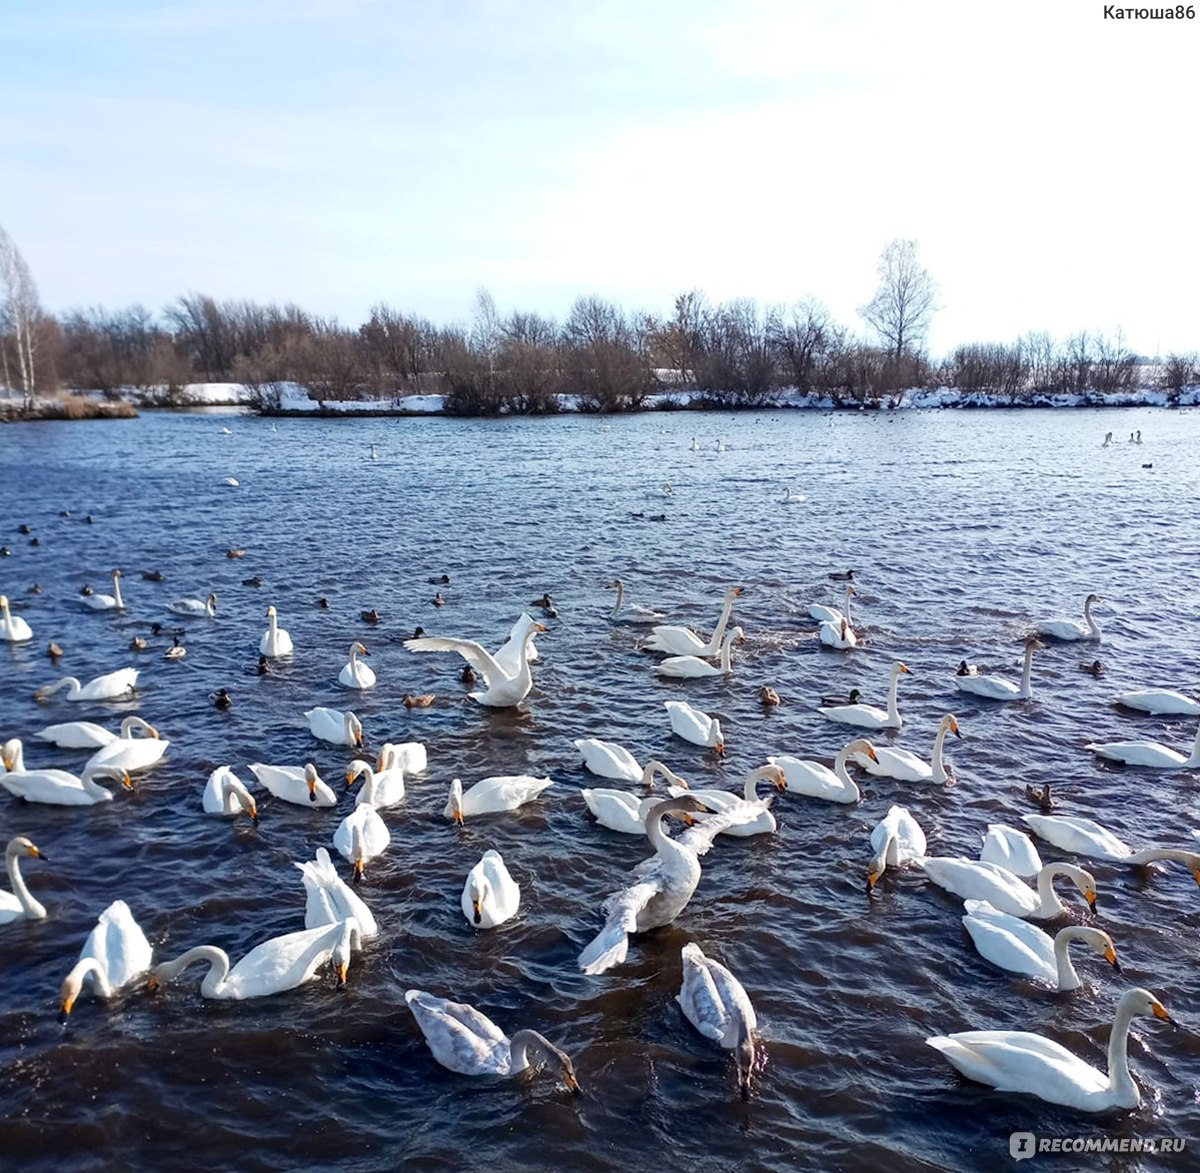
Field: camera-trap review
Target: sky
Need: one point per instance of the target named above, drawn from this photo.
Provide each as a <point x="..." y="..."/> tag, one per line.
<point x="341" y="153"/>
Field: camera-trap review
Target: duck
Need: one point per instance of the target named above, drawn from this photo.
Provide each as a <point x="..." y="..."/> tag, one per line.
<point x="301" y="785"/>
<point x="853" y="697"/>
<point x="195" y="607"/>
<point x="371" y="616"/>
<point x="275" y="641"/>
<point x="384" y="782"/>
<point x="467" y="675"/>
<point x="838" y="635"/>
<point x="768" y="697"/>
<point x="225" y="794"/>
<point x="1095" y="668"/>
<point x="633" y="613"/>
<point x="439" y="600"/>
<point x="1004" y="891"/>
<point x="823" y="614"/>
<point x="54" y="651"/>
<point x="222" y="699"/>
<point x="965" y="669"/>
<point x="110" y="686"/>
<point x="841" y="576"/>
<point x="273" y="967"/>
<point x="469" y="1043"/>
<point x="439" y="579"/>
<point x="1009" y="848"/>
<point x="905" y="766"/>
<point x="997" y="688"/>
<point x="130" y="753"/>
<point x="335" y="726"/>
<point x="1040" y="797"/>
<point x="717" y="1005"/>
<point x="694" y="726"/>
<point x="153" y="576"/>
<point x="719" y="801"/>
<point x="1159" y="701"/>
<point x="870" y="716"/>
<point x="694" y="668"/>
<point x="1016" y="945"/>
<point x="609" y="760"/>
<point x="233" y="552"/>
<point x="138" y="644"/>
<point x="354" y="674"/>
<point x="1148" y="753"/>
<point x="624" y="811"/>
<point x="1086" y="837"/>
<point x="112" y="602"/>
<point x="323" y="603"/>
<point x="13" y="629"/>
<point x="19" y="904"/>
<point x="115" y="953"/>
<point x="262" y="667"/>
<point x="896" y="839"/>
<point x="253" y="581"/>
<point x="490" y="896"/>
<point x="58" y="788"/>
<point x="1069" y="630"/>
<point x="1018" y="1061"/>
<point x="420" y="633"/>
<point x="493" y="795"/>
<point x="362" y="835"/>
<point x="176" y="651"/>
<point x="328" y="899"/>
<point x="504" y="689"/>
<point x="422" y="701"/>
<point x="682" y="641"/>
<point x="819" y="781"/>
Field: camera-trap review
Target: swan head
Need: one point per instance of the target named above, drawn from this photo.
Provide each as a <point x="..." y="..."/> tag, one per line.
<point x="477" y="893"/>
<point x="615" y="585"/>
<point x="271" y="612"/>
<point x="361" y="649"/>
<point x="899" y="669"/>
<point x="744" y="1055"/>
<point x="358" y="766"/>
<point x="863" y="746"/>
<point x="311" y="778"/>
<point x="734" y="593"/>
<point x="20" y="845"/>
<point x="354" y="729"/>
<point x="1092" y="599"/>
<point x="1033" y="644"/>
<point x="69" y="992"/>
<point x="10" y="754"/>
<point x="950" y="721"/>
<point x="1102" y="943"/>
<point x="454" y="804"/>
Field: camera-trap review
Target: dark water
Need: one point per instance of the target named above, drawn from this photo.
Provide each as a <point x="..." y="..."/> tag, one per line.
<point x="963" y="527"/>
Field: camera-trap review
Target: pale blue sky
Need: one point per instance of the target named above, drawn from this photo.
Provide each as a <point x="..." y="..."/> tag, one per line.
<point x="336" y="153"/>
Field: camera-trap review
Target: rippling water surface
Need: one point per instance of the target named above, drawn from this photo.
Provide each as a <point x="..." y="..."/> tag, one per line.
<point x="963" y="528"/>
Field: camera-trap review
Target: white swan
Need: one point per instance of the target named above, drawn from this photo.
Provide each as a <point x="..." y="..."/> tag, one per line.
<point x="694" y="726"/>
<point x="870" y="716"/>
<point x="226" y="794"/>
<point x="907" y="767"/>
<point x="409" y="756"/>
<point x="683" y="641"/>
<point x="633" y="613"/>
<point x="385" y="787"/>
<point x="997" y="688"/>
<point x="519" y="636"/>
<point x="1159" y="701"/>
<point x="896" y="839"/>
<point x="1009" y="848"/>
<point x="131" y="753"/>
<point x="354" y="674"/>
<point x="328" y="899"/>
<point x="275" y="966"/>
<point x="693" y="667"/>
<point x="838" y="635"/>
<point x="59" y="788"/>
<point x="720" y="801"/>
<point x="1090" y="839"/>
<point x="470" y="1043"/>
<point x="299" y="784"/>
<point x="12" y="757"/>
<point x="1068" y="629"/>
<point x="620" y="810"/>
<point x="335" y="726"/>
<point x="19" y="903"/>
<point x="115" y="952"/>
<point x="490" y="896"/>
<point x="609" y="760"/>
<point x="110" y="686"/>
<point x="1148" y="753"/>
<point x="717" y="1005"/>
<point x="13" y="628"/>
<point x="195" y="607"/>
<point x="790" y="498"/>
<point x="1018" y="1061"/>
<point x="76" y="735"/>
<point x="1004" y="891"/>
<point x="362" y="834"/>
<point x="275" y="641"/>
<point x="823" y="614"/>
<point x="819" y="781"/>
<point x="504" y="688"/>
<point x="112" y="602"/>
<point x="492" y="796"/>
<point x="1018" y="946"/>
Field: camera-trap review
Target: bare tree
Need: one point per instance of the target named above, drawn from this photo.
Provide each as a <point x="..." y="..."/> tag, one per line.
<point x="22" y="313"/>
<point x="903" y="304"/>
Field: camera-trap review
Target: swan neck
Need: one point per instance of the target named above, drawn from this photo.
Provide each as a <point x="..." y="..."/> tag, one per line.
<point x="1068" y="979"/>
<point x="935" y="760"/>
<point x="1048" y="898"/>
<point x="33" y="908"/>
<point x="727" y="653"/>
<point x="1151" y="854"/>
<point x="1093" y="626"/>
<point x="839" y="763"/>
<point x="117" y="592"/>
<point x="69" y="682"/>
<point x="1194" y="759"/>
<point x="218" y="968"/>
<point x="893" y="705"/>
<point x="1119" y="1079"/>
<point x="849" y="592"/>
<point x="1027" y="675"/>
<point x="525" y="1042"/>
<point x="620" y="597"/>
<point x="99" y="972"/>
<point x="663" y="844"/>
<point x="719" y="631"/>
<point x="92" y="787"/>
<point x="750" y="789"/>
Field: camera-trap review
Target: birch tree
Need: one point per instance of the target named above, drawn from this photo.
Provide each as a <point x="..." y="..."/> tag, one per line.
<point x="19" y="302"/>
<point x="903" y="303"/>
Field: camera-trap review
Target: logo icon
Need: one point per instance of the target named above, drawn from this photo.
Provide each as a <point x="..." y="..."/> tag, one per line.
<point x="1022" y="1146"/>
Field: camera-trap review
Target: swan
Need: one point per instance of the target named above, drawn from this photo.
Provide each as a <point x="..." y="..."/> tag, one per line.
<point x="354" y="674"/>
<point x="819" y="781"/>
<point x="896" y="839"/>
<point x="275" y="641"/>
<point x="335" y="726"/>
<point x="1068" y="629"/>
<point x="633" y="613"/>
<point x="1149" y="753"/>
<point x="110" y="686"/>
<point x="131" y="753"/>
<point x="1160" y="701"/>
<point x="694" y="726"/>
<point x="504" y="688"/>
<point x="470" y="1043"/>
<point x="59" y="788"/>
<point x="823" y="614"/>
<point x="112" y="602"/>
<point x="907" y="767"/>
<point x="490" y="895"/>
<point x="195" y="607"/>
<point x="693" y="668"/>
<point x="362" y="834"/>
<point x="682" y="641"/>
<point x="299" y="784"/>
<point x="870" y="716"/>
<point x="1005" y="892"/>
<point x="277" y="965"/>
<point x="609" y="760"/>
<point x="1018" y="946"/>
<point x="696" y="445"/>
<point x="509" y="655"/>
<point x="12" y="757"/>
<point x="997" y="688"/>
<point x="76" y="735"/>
<point x="838" y="635"/>
<point x="13" y="629"/>
<point x="493" y="795"/>
<point x="620" y="810"/>
<point x="115" y="952"/>
<point x="717" y="1005"/>
<point x="409" y="756"/>
<point x="1019" y="1061"/>
<point x="1088" y="838"/>
<point x="19" y="903"/>
<point x="1009" y="848"/>
<point x="790" y="498"/>
<point x="329" y="899"/>
<point x="386" y="785"/>
<point x="720" y="801"/>
<point x="226" y="794"/>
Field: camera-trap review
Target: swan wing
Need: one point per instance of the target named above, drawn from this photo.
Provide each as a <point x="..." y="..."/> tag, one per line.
<point x="1018" y="1061"/>
<point x="617" y="810"/>
<point x="329" y="899"/>
<point x="699" y="838"/>
<point x="459" y="1036"/>
<point x="970" y="880"/>
<point x="1009" y="942"/>
<point x="611" y="945"/>
<point x="1139" y="753"/>
<point x="678" y="641"/>
<point x="865" y="716"/>
<point x="282" y="963"/>
<point x="1159" y="700"/>
<point x="76" y="735"/>
<point x="1012" y="849"/>
<point x="712" y="998"/>
<point x="475" y="654"/>
<point x="609" y="760"/>
<point x="994" y="687"/>
<point x="119" y="944"/>
<point x="1079" y="836"/>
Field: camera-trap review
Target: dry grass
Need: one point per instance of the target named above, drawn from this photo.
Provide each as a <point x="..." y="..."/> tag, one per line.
<point x="71" y="407"/>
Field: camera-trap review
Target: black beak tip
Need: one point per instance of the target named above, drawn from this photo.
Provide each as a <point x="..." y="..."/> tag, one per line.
<point x="63" y="1018"/>
<point x="478" y="918"/>
<point x="1117" y="966"/>
<point x="745" y="1093"/>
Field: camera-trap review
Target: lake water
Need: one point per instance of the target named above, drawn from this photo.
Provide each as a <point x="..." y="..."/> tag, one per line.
<point x="963" y="528"/>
